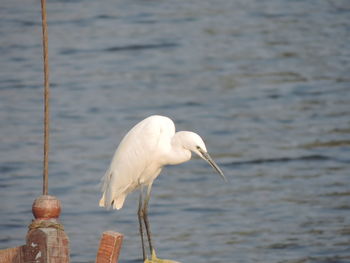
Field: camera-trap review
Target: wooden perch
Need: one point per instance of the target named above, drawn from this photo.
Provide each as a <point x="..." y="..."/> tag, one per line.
<point x="109" y="249"/>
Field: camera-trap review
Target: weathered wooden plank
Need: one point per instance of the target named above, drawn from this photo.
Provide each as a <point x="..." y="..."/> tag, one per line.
<point x="11" y="255"/>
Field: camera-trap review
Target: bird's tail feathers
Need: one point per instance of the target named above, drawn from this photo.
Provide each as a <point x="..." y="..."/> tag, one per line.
<point x="105" y="180"/>
<point x="111" y="198"/>
<point x="115" y="203"/>
<point x="118" y="202"/>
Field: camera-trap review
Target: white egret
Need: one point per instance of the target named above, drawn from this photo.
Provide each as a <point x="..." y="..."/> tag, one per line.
<point x="139" y="158"/>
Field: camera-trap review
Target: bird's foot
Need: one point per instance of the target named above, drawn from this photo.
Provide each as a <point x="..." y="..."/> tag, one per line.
<point x="154" y="259"/>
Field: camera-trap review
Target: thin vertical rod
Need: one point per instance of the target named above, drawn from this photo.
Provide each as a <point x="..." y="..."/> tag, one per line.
<point x="46" y="99"/>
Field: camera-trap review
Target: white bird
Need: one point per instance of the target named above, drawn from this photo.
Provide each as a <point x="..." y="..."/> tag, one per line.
<point x="144" y="151"/>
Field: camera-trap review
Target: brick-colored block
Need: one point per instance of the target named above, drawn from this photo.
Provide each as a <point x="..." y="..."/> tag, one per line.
<point x="109" y="249"/>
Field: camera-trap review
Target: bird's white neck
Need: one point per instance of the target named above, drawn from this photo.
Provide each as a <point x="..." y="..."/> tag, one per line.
<point x="179" y="152"/>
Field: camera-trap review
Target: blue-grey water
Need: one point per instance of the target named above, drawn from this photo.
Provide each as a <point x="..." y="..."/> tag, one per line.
<point x="265" y="83"/>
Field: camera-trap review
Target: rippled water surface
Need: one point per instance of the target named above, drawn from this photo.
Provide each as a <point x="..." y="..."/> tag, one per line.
<point x="266" y="83"/>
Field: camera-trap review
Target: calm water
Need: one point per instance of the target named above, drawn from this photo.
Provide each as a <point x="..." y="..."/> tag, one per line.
<point x="266" y="83"/>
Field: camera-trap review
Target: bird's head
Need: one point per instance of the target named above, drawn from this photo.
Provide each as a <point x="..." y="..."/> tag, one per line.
<point x="193" y="142"/>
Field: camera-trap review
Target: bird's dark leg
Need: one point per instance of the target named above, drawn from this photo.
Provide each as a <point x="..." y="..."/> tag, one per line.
<point x="145" y="217"/>
<point x="140" y="214"/>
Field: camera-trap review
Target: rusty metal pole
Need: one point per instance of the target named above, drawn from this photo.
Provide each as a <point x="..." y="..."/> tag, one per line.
<point x="46" y="98"/>
<point x="46" y="241"/>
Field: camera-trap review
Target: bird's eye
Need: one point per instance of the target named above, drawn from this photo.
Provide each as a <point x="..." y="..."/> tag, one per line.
<point x="198" y="148"/>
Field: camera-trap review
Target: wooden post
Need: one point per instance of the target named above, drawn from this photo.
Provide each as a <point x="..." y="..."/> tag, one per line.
<point x="109" y="249"/>
<point x="46" y="240"/>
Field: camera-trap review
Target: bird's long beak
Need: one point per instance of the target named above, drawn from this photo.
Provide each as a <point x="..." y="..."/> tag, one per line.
<point x="207" y="157"/>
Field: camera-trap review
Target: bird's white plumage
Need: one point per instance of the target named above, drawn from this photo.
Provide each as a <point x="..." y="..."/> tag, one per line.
<point x="139" y="158"/>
